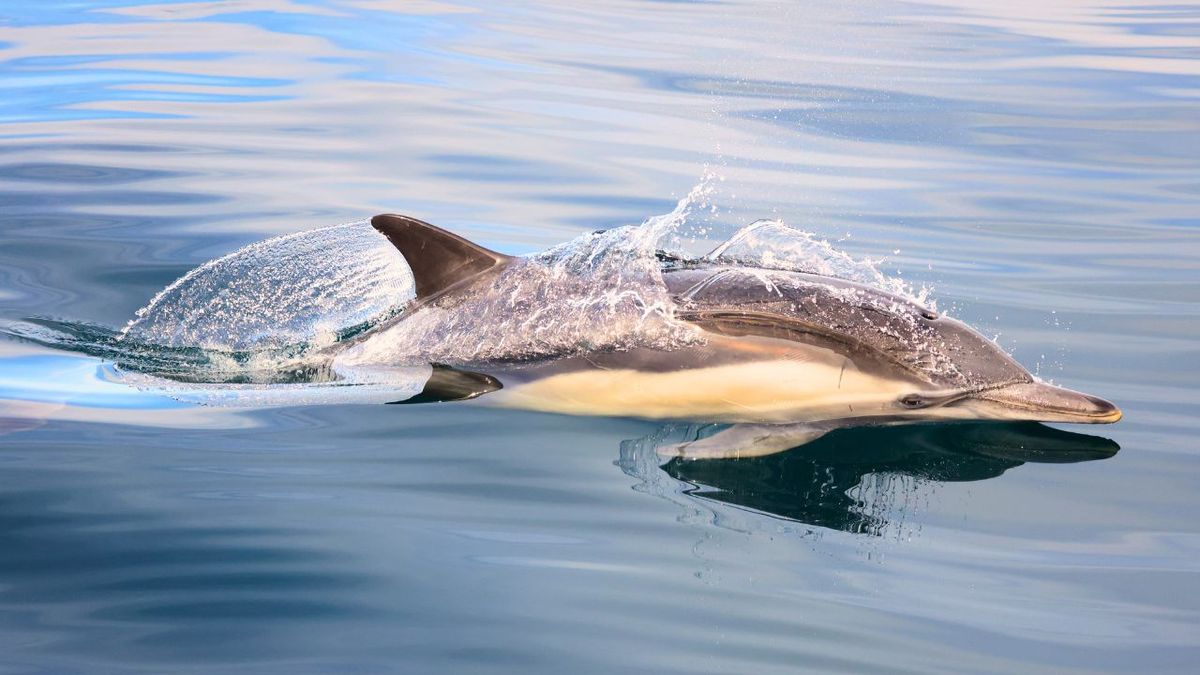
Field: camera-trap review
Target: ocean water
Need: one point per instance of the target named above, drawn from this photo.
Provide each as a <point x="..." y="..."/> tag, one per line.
<point x="1034" y="166"/>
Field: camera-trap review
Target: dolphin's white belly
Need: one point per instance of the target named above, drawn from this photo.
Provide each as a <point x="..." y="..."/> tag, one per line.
<point x="774" y="391"/>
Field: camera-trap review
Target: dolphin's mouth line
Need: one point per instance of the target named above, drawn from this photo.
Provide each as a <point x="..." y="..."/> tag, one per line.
<point x="1105" y="413"/>
<point x="1105" y="417"/>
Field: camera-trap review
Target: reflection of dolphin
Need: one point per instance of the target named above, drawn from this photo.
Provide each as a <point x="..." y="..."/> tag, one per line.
<point x="821" y="484"/>
<point x="785" y="356"/>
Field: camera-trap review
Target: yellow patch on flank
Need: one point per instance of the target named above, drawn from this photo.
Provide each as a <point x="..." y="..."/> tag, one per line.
<point x="761" y="391"/>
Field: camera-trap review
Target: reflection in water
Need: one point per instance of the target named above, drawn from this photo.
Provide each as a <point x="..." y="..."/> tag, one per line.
<point x="856" y="480"/>
<point x="1038" y="165"/>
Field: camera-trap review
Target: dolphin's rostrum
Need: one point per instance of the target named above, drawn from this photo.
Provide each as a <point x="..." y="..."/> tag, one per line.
<point x="783" y="356"/>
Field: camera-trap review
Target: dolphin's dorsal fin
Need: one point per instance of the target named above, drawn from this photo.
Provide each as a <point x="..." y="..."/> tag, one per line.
<point x="438" y="259"/>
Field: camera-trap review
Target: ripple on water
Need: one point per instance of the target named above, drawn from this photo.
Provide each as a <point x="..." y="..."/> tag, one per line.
<point x="1035" y="167"/>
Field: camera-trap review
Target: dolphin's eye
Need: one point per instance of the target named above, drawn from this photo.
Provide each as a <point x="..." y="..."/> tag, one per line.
<point x="930" y="315"/>
<point x="912" y="401"/>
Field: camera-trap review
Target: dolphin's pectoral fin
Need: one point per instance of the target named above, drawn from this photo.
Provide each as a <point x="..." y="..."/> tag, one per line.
<point x="449" y="384"/>
<point x="745" y="440"/>
<point x="438" y="259"/>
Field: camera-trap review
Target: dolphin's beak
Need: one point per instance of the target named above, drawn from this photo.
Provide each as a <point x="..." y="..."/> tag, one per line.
<point x="1041" y="402"/>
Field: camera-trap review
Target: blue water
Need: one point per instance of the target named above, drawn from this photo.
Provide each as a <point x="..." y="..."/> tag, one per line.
<point x="1037" y="165"/>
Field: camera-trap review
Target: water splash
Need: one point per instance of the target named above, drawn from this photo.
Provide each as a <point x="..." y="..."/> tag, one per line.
<point x="249" y="328"/>
<point x="309" y="288"/>
<point x="771" y="244"/>
<point x="600" y="291"/>
<point x="106" y="343"/>
<point x="377" y="386"/>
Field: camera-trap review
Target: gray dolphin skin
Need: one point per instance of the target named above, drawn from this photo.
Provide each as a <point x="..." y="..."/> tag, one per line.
<point x="784" y="357"/>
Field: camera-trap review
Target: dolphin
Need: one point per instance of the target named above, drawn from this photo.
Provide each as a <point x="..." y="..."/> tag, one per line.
<point x="784" y="357"/>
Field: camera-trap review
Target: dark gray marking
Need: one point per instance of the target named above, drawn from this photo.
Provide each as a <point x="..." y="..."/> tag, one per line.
<point x="451" y="384"/>
<point x="884" y="332"/>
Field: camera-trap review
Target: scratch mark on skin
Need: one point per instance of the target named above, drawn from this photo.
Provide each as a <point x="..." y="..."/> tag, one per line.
<point x="595" y="365"/>
<point x="841" y="374"/>
<point x="736" y="404"/>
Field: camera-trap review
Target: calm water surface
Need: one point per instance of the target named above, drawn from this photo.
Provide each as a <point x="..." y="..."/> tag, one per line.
<point x="1037" y="164"/>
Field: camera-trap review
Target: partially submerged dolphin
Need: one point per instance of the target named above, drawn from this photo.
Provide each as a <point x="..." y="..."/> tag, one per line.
<point x="784" y="357"/>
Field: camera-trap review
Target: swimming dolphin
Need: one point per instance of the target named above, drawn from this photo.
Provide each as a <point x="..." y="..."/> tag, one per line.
<point x="784" y="357"/>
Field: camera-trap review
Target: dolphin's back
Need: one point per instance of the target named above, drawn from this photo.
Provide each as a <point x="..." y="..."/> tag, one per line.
<point x="868" y="325"/>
